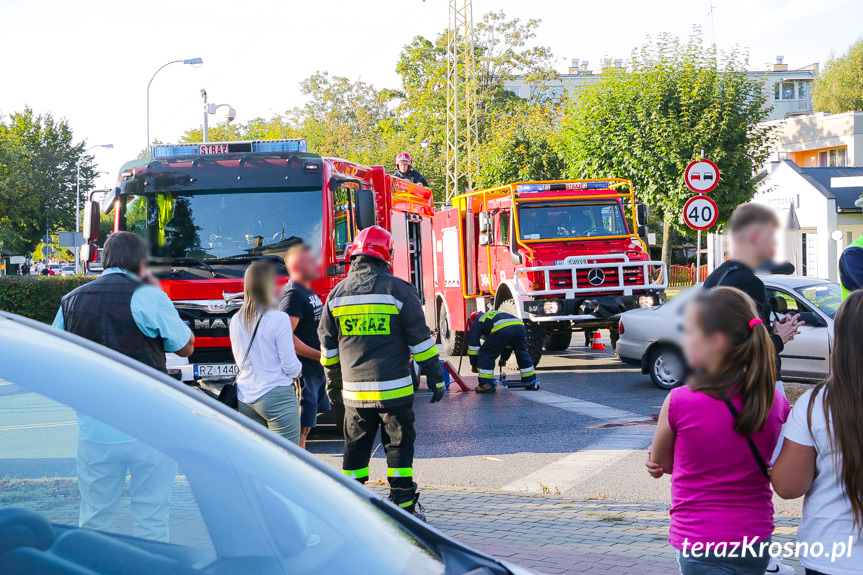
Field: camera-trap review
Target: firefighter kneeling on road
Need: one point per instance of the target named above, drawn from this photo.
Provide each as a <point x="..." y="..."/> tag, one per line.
<point x="371" y="326"/>
<point x="504" y="334"/>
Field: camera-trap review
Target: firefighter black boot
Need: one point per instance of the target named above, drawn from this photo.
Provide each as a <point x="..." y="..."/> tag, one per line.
<point x="408" y="501"/>
<point x="416" y="509"/>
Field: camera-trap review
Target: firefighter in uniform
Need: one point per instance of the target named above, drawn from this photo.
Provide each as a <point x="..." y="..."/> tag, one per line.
<point x="371" y="326"/>
<point x="504" y="334"/>
<point x="405" y="170"/>
<point x="851" y="267"/>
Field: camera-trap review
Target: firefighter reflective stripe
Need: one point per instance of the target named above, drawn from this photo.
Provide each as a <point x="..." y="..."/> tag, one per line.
<point x="385" y="299"/>
<point x="357" y="473"/>
<point x="472" y="349"/>
<point x="489" y="315"/>
<point x="400" y="471"/>
<point x="527" y="371"/>
<point x="365" y="309"/>
<point x="439" y="385"/>
<point x="377" y="390"/>
<point x="405" y="504"/>
<point x="486" y="373"/>
<point x="423" y="351"/>
<point x="506" y="323"/>
<point x="330" y="357"/>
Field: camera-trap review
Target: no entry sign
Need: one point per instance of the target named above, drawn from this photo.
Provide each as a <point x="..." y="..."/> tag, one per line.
<point x="701" y="176"/>
<point x="700" y="213"/>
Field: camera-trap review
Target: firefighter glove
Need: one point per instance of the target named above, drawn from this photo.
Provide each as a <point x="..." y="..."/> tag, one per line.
<point x="438" y="393"/>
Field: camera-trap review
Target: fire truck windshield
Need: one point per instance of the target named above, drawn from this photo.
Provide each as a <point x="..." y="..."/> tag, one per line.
<point x="571" y="220"/>
<point x="217" y="224"/>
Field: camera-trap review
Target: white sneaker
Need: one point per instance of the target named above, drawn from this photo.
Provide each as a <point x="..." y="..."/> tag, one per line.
<point x="776" y="566"/>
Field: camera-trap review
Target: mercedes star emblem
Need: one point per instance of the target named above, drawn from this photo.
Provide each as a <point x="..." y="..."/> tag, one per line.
<point x="596" y="276"/>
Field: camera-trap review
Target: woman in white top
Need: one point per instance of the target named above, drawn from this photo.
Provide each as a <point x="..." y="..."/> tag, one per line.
<point x="822" y="456"/>
<point x="263" y="346"/>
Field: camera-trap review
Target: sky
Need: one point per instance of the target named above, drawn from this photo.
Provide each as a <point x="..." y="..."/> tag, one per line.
<point x="89" y="61"/>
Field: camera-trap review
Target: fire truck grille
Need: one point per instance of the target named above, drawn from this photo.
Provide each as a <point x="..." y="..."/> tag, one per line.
<point x="563" y="279"/>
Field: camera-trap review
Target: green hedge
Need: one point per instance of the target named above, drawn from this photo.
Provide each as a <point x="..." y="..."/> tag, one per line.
<point x="37" y="297"/>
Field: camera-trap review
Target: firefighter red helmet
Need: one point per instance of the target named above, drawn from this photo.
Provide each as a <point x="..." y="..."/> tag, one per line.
<point x="471" y="319"/>
<point x="374" y="241"/>
<point x="404" y="158"/>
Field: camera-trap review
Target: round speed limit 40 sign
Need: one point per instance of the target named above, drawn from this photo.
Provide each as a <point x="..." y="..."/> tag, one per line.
<point x="700" y="213"/>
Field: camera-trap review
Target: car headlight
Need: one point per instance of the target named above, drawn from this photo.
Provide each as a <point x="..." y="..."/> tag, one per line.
<point x="646" y="301"/>
<point x="551" y="307"/>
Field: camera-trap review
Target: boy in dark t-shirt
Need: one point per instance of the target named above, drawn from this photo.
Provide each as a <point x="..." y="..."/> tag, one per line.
<point x="304" y="308"/>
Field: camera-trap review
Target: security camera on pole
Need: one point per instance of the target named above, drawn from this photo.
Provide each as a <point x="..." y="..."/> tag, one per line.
<point x="700" y="212"/>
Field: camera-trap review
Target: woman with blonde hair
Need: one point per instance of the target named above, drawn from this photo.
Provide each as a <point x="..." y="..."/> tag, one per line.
<point x="263" y="345"/>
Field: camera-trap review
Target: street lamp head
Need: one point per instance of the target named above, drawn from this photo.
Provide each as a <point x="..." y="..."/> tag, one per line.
<point x="108" y="146"/>
<point x="195" y="62"/>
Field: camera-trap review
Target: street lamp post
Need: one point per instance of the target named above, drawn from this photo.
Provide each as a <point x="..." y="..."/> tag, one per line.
<point x="211" y="109"/>
<point x="78" y="201"/>
<point x="194" y="62"/>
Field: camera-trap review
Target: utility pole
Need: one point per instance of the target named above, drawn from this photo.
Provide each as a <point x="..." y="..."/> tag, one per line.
<point x="461" y="115"/>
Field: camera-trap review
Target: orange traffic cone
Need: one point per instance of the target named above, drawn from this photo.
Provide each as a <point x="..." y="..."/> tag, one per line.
<point x="597" y="342"/>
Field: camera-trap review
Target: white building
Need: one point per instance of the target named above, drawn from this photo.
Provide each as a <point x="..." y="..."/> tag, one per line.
<point x="816" y="207"/>
<point x="820" y="140"/>
<point x="788" y="91"/>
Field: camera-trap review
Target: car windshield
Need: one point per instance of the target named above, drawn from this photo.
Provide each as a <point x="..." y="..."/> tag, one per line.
<point x="215" y="224"/>
<point x="570" y="220"/>
<point x="219" y="497"/>
<point x="824" y="296"/>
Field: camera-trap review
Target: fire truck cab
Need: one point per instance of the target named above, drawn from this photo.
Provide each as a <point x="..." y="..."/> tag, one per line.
<point x="208" y="210"/>
<point x="561" y="255"/>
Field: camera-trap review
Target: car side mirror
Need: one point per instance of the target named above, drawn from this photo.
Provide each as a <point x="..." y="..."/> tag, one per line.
<point x="812" y="319"/>
<point x="90" y="225"/>
<point x="364" y="208"/>
<point x="642" y="232"/>
<point x="642" y="212"/>
<point x="484" y="239"/>
<point x="485" y="222"/>
<point x="89" y="253"/>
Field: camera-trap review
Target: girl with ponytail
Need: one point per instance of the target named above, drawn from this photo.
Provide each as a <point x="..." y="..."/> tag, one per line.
<point x="715" y="436"/>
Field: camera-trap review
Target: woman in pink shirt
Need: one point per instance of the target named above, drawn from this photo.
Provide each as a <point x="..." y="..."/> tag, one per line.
<point x="715" y="437"/>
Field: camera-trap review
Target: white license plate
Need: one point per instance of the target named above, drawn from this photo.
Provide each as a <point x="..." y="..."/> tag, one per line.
<point x="216" y="370"/>
<point x="572" y="261"/>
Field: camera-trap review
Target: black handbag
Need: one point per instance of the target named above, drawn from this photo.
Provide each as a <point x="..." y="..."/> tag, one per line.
<point x="228" y="394"/>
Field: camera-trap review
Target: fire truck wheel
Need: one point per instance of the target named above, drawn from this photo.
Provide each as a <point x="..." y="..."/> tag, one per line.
<point x="558" y="341"/>
<point x="454" y="342"/>
<point x="535" y="335"/>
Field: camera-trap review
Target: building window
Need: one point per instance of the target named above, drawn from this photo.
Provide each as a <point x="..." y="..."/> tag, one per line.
<point x="514" y="89"/>
<point x="791" y="90"/>
<point x="834" y="158"/>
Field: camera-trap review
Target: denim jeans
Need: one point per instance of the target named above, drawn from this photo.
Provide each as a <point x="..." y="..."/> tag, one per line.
<point x="712" y="565"/>
<point x="279" y="410"/>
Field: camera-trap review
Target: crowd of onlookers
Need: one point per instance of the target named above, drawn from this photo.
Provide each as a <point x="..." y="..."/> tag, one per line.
<point x="39" y="268"/>
<point x="729" y="434"/>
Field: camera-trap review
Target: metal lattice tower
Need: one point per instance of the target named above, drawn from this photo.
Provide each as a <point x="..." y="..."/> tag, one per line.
<point x="461" y="120"/>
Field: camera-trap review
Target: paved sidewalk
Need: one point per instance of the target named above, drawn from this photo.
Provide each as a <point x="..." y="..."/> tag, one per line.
<point x="560" y="535"/>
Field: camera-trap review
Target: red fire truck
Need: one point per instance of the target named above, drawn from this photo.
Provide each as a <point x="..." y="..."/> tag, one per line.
<point x="208" y="211"/>
<point x="561" y="255"/>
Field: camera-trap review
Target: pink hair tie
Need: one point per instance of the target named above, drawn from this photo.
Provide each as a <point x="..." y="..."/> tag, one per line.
<point x="754" y="321"/>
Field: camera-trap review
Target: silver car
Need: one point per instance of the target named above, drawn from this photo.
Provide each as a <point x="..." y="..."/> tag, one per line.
<point x="649" y="337"/>
<point x="211" y="491"/>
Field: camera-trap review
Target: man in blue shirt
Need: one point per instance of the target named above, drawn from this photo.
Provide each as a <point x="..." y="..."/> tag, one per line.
<point x="124" y="310"/>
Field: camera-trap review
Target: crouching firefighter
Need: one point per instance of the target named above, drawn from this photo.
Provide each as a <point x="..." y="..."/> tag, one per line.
<point x="371" y="326"/>
<point x="504" y="334"/>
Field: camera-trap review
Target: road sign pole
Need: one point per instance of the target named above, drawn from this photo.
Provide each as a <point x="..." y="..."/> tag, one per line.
<point x="698" y="257"/>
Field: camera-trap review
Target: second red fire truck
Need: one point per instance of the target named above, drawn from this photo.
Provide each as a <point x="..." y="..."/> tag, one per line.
<point x="563" y="256"/>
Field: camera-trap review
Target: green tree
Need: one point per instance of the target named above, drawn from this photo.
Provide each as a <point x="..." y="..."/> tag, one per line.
<point x="675" y="99"/>
<point x="37" y="177"/>
<point x="840" y="87"/>
<point x="522" y="145"/>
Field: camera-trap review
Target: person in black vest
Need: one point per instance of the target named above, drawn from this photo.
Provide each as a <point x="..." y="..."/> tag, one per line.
<point x="405" y="170"/>
<point x="124" y="310"/>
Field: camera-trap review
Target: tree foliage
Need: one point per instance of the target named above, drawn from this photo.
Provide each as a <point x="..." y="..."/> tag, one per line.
<point x="37" y="178"/>
<point x="840" y="87"/>
<point x="646" y="123"/>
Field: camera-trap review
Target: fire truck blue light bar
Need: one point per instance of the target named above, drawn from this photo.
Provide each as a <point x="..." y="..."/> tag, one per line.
<point x="214" y="148"/>
<point x="562" y="186"/>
